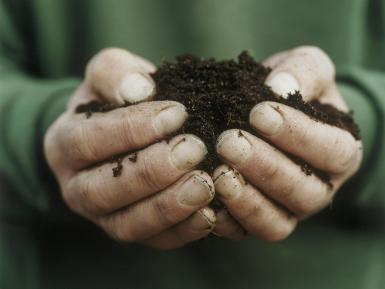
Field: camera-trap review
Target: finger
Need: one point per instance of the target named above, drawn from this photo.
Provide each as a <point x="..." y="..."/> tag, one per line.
<point x="152" y="216"/>
<point x="119" y="76"/>
<point x="256" y="213"/>
<point x="106" y="188"/>
<point x="227" y="227"/>
<point x="325" y="147"/>
<point x="307" y="69"/>
<point x="90" y="140"/>
<point x="333" y="97"/>
<point x="195" y="227"/>
<point x="145" y="64"/>
<point x="273" y="173"/>
<point x="274" y="60"/>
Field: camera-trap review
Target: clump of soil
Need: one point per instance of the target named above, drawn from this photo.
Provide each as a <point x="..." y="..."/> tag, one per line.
<point x="219" y="96"/>
<point x="117" y="170"/>
<point x="97" y="106"/>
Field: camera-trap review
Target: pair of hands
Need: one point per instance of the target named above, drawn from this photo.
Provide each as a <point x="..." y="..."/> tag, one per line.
<point x="160" y="200"/>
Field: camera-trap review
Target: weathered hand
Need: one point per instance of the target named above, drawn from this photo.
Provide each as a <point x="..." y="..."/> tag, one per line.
<point x="277" y="193"/>
<point x="158" y="199"/>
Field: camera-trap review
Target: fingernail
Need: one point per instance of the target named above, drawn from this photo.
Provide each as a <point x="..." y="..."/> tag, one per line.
<point x="283" y="83"/>
<point x="228" y="185"/>
<point x="266" y="119"/>
<point x="170" y="119"/>
<point x="204" y="219"/>
<point x="195" y="191"/>
<point x="136" y="87"/>
<point x="233" y="146"/>
<point x="188" y="152"/>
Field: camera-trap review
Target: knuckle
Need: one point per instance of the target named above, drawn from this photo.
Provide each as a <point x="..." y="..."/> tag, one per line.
<point x="69" y="199"/>
<point x="270" y="170"/>
<point x="108" y="58"/>
<point x="149" y="176"/>
<point x="121" y="235"/>
<point x="343" y="155"/>
<point x="77" y="194"/>
<point x="109" y="54"/>
<point x="165" y="214"/>
<point x="308" y="207"/>
<point x="318" y="58"/>
<point x="53" y="142"/>
<point x="281" y="233"/>
<point x="78" y="145"/>
<point x="312" y="51"/>
<point x="85" y="196"/>
<point x="131" y="132"/>
<point x="116" y="228"/>
<point x="253" y="211"/>
<point x="69" y="196"/>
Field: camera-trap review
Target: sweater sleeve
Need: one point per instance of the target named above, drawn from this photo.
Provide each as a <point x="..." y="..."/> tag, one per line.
<point x="28" y="105"/>
<point x="364" y="91"/>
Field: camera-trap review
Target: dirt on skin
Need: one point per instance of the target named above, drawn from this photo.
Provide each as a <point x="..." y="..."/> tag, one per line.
<point x="219" y="96"/>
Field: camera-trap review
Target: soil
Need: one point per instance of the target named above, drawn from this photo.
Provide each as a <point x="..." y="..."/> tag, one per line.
<point x="96" y="106"/>
<point x="117" y="170"/>
<point x="219" y="96"/>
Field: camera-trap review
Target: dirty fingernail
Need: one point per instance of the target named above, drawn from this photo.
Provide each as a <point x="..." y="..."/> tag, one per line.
<point x="266" y="119"/>
<point x="228" y="186"/>
<point x="170" y="119"/>
<point x="233" y="146"/>
<point x="283" y="83"/>
<point x="136" y="87"/>
<point x="188" y="152"/>
<point x="195" y="191"/>
<point x="204" y="219"/>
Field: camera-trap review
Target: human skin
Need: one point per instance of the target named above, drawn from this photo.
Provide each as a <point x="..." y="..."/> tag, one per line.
<point x="160" y="200"/>
<point x="277" y="194"/>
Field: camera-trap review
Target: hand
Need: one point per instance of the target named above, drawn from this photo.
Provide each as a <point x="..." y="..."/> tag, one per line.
<point x="158" y="200"/>
<point x="277" y="193"/>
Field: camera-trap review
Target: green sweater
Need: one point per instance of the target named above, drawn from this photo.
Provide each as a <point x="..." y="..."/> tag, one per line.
<point x="44" y="46"/>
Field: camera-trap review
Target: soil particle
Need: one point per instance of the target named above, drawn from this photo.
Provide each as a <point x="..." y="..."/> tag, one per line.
<point x="133" y="158"/>
<point x="117" y="170"/>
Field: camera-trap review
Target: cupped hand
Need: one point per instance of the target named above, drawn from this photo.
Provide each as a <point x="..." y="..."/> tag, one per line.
<point x="265" y="192"/>
<point x="158" y="199"/>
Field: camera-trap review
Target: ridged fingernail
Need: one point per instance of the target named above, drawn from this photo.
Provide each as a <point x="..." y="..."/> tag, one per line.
<point x="283" y="83"/>
<point x="204" y="219"/>
<point x="188" y="152"/>
<point x="195" y="191"/>
<point x="266" y="119"/>
<point x="233" y="146"/>
<point x="136" y="87"/>
<point x="170" y="119"/>
<point x="228" y="185"/>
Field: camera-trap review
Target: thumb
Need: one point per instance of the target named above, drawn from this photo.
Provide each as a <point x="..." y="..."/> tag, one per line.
<point x="118" y="76"/>
<point x="306" y="69"/>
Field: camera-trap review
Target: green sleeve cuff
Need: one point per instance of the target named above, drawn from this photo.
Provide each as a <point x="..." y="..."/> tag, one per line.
<point x="362" y="113"/>
<point x="29" y="107"/>
<point x="363" y="90"/>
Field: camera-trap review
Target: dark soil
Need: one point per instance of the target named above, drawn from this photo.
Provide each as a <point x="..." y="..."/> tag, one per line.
<point x="117" y="170"/>
<point x="219" y="96"/>
<point x="97" y="106"/>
